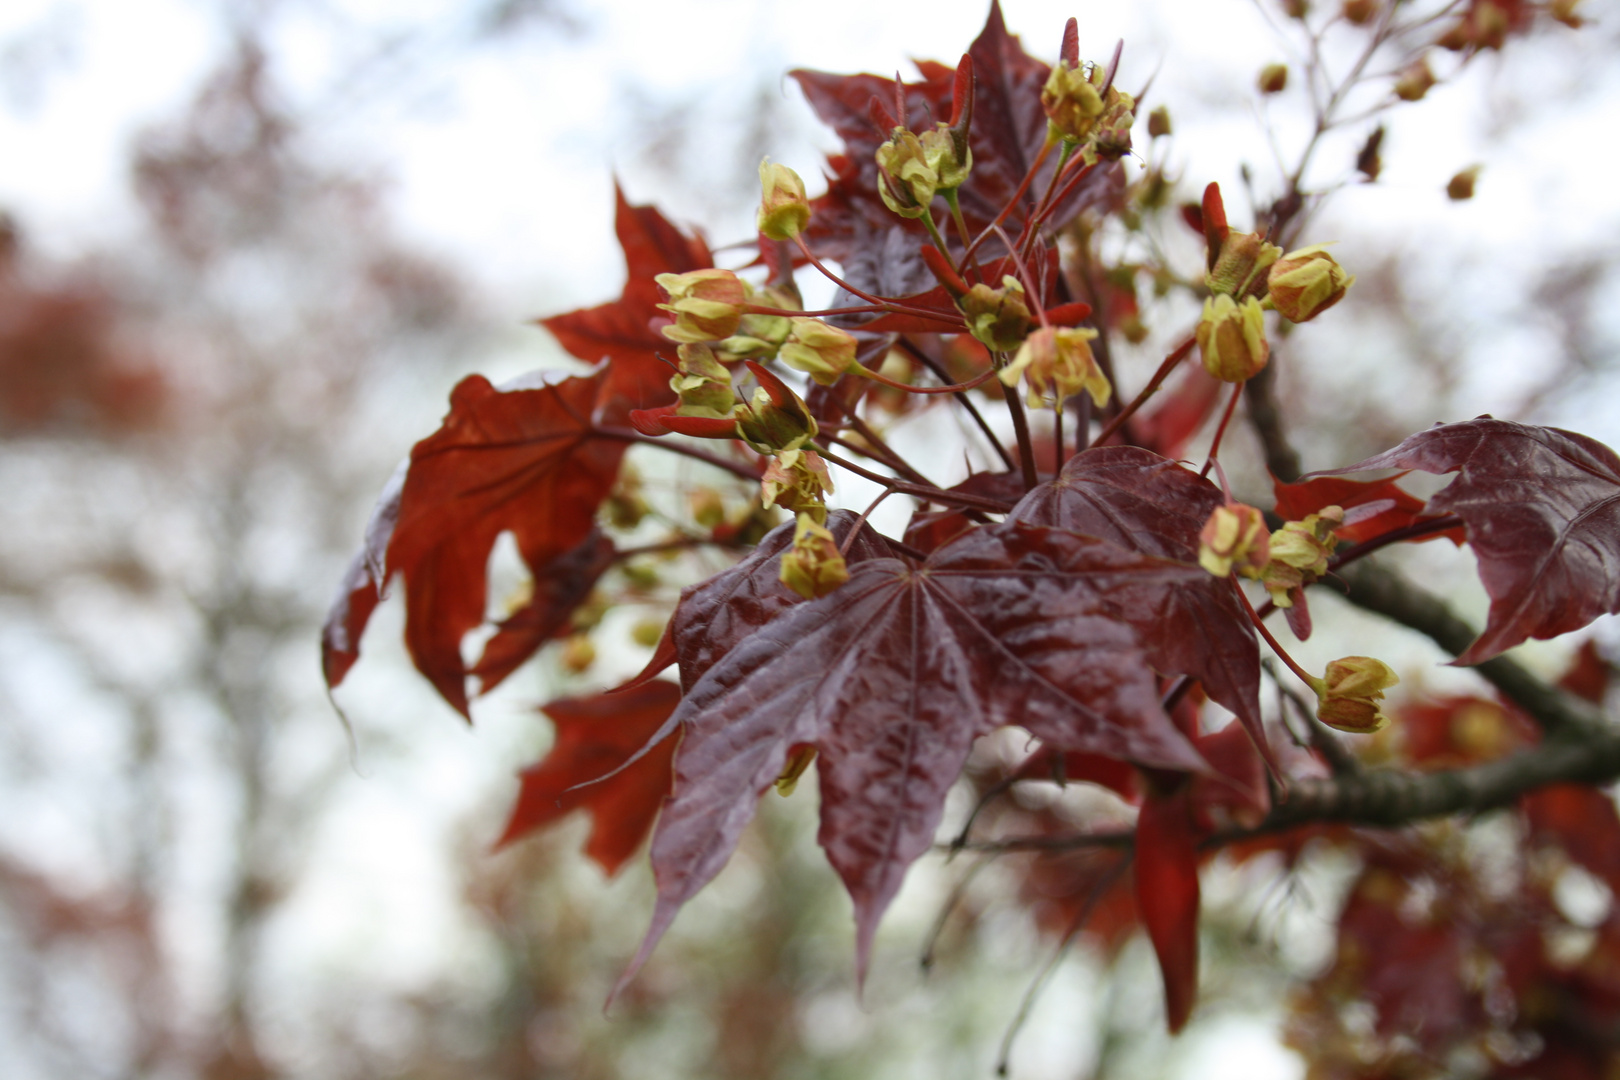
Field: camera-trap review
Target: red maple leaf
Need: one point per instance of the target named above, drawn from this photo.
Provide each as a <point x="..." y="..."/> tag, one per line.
<point x="1384" y="506"/>
<point x="1542" y="507"/>
<point x="890" y="678"/>
<point x="595" y="736"/>
<point x="526" y="459"/>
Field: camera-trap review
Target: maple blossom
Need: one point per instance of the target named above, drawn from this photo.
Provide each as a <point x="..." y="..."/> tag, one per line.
<point x="1066" y="586"/>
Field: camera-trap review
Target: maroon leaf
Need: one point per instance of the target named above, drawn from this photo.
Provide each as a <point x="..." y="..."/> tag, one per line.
<point x="1542" y="507"/>
<point x="1391" y="507"/>
<point x="595" y="736"/>
<point x="715" y="614"/>
<point x="619" y="331"/>
<point x="1167" y="895"/>
<point x="1147" y="504"/>
<point x="522" y="459"/>
<point x="891" y="677"/>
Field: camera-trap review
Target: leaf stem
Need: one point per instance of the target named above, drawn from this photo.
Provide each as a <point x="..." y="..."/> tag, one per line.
<point x="1148" y="391"/>
<point x="736" y="468"/>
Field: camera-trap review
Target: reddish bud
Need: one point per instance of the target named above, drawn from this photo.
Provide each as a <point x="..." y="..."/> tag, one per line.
<point x="1232" y="338"/>
<point x="1305" y="283"/>
<point x="707" y="304"/>
<point x="1273" y="78"/>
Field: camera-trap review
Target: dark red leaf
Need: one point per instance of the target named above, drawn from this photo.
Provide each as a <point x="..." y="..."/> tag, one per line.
<point x="1582" y="820"/>
<point x="1148" y="504"/>
<point x="1006" y="136"/>
<point x="931" y="529"/>
<point x="1167" y="895"/>
<point x="560" y="587"/>
<point x="1589" y="676"/>
<point x="714" y="615"/>
<point x="596" y="735"/>
<point x="1296" y="501"/>
<point x="891" y="677"/>
<point x="521" y="459"/>
<point x="1542" y="507"/>
<point x="619" y="331"/>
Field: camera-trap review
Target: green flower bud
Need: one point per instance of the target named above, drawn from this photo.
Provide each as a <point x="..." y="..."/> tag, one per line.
<point x="1232" y="338"/>
<point x="1234" y="535"/>
<point x="906" y="180"/>
<point x="1305" y="283"/>
<point x="784" y="210"/>
<point x="813" y="567"/>
<point x="948" y="154"/>
<point x="1348" y="697"/>
<point x="702" y="382"/>
<point x="1072" y="103"/>
<point x="707" y="304"/>
<point x="997" y="317"/>
<point x="1240" y="265"/>
<point x="821" y="351"/>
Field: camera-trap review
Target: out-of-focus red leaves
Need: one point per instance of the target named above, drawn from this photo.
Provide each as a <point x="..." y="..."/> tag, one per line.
<point x="522" y="459"/>
<point x="596" y="735"/>
<point x="1167" y="894"/>
<point x="1542" y="507"/>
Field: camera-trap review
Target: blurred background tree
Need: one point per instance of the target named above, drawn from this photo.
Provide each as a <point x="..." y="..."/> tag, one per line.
<point x="206" y="376"/>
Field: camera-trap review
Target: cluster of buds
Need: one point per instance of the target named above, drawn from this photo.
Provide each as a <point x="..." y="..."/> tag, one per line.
<point x="1299" y="554"/>
<point x="1057" y="364"/>
<point x="1296" y="555"/>
<point x="1348" y="697"/>
<point x="760" y="335"/>
<point x="813" y="566"/>
<point x="797" y="480"/>
<point x="1248" y="275"/>
<point x="1084" y="109"/>
<point x="776" y="419"/>
<point x="912" y="167"/>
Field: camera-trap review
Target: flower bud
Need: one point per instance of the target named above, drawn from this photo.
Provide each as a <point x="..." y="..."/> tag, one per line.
<point x="1461" y="187"/>
<point x="1415" y="80"/>
<point x="777" y="418"/>
<point x="1273" y="78"/>
<point x="906" y="180"/>
<point x="947" y="152"/>
<point x="759" y="335"/>
<point x="1057" y="363"/>
<point x="997" y="317"/>
<point x="797" y="480"/>
<point x="1072" y="103"/>
<point x="1240" y="265"/>
<point x="1299" y="553"/>
<point x="821" y="351"/>
<point x="1232" y="338"/>
<point x="708" y="508"/>
<point x="702" y="382"/>
<point x="1305" y="283"/>
<point x="1360" y="12"/>
<point x="707" y="304"/>
<point x="813" y="567"/>
<point x="1348" y="697"/>
<point x="1234" y="536"/>
<point x="1159" y="122"/>
<point x="798" y="761"/>
<point x="578" y="653"/>
<point x="784" y="211"/>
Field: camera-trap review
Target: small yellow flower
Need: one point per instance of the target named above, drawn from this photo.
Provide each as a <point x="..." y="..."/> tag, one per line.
<point x="821" y="351"/>
<point x="1232" y="338"/>
<point x="813" y="567"/>
<point x="1234" y="536"/>
<point x="1305" y="283"/>
<point x="1348" y="697"/>
<point x="906" y="179"/>
<point x="707" y="304"/>
<point x="1057" y="363"/>
<point x="784" y="210"/>
<point x="797" y="480"/>
<point x="997" y="317"/>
